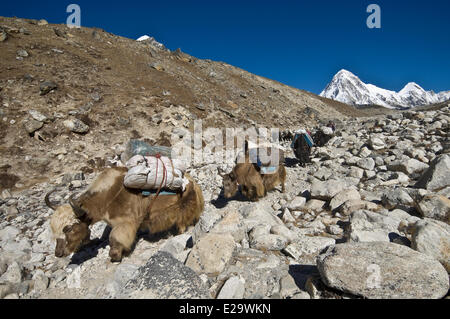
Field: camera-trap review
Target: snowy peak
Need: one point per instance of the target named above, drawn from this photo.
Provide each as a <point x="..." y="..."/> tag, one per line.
<point x="152" y="41"/>
<point x="348" y="88"/>
<point x="411" y="87"/>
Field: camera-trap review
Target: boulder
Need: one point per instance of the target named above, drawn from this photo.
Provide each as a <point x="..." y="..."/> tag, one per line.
<point x="176" y="246"/>
<point x="326" y="190"/>
<point x="397" y="198"/>
<point x="8" y="233"/>
<point x="164" y="277"/>
<point x="211" y="253"/>
<point x="409" y="167"/>
<point x="76" y="126"/>
<point x="381" y="270"/>
<point x="435" y="207"/>
<point x="432" y="238"/>
<point x="297" y="203"/>
<point x="308" y="246"/>
<point x="377" y="143"/>
<point x="13" y="274"/>
<point x="368" y="226"/>
<point x="260" y="238"/>
<point x="47" y="86"/>
<point x="233" y="288"/>
<point x="437" y="176"/>
<point x="32" y="125"/>
<point x="231" y="224"/>
<point x="366" y="163"/>
<point x="343" y="196"/>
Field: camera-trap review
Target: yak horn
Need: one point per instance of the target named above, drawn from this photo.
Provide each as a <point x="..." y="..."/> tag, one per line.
<point x="79" y="212"/>
<point x="47" y="199"/>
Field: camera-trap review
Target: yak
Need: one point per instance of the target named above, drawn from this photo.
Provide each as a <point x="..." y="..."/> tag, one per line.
<point x="125" y="210"/>
<point x="254" y="184"/>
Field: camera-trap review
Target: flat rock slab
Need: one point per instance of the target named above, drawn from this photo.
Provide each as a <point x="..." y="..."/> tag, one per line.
<point x="164" y="277"/>
<point x="381" y="270"/>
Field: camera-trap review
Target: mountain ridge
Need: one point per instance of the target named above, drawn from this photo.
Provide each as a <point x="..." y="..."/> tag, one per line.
<point x="346" y="87"/>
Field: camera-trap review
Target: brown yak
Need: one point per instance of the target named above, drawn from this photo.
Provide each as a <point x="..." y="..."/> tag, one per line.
<point x="254" y="185"/>
<point x="125" y="210"/>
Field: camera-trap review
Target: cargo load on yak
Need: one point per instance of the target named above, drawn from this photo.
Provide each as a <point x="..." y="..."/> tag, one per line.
<point x="155" y="172"/>
<point x="301" y="145"/>
<point x="151" y="168"/>
<point x="324" y="134"/>
<point x="305" y="134"/>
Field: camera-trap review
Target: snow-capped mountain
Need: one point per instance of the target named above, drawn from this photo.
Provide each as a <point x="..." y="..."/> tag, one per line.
<point x="348" y="88"/>
<point x="152" y="41"/>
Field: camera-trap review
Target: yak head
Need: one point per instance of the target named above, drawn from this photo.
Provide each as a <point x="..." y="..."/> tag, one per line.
<point x="75" y="237"/>
<point x="69" y="226"/>
<point x="230" y="185"/>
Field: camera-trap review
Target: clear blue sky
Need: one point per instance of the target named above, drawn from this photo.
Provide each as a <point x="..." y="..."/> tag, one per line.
<point x="299" y="43"/>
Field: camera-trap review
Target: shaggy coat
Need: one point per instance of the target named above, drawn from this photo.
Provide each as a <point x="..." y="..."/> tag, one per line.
<point x="302" y="150"/>
<point x="254" y="185"/>
<point x="126" y="211"/>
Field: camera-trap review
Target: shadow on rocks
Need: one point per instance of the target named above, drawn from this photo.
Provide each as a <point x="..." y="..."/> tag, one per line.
<point x="300" y="273"/>
<point x="221" y="201"/>
<point x="91" y="250"/>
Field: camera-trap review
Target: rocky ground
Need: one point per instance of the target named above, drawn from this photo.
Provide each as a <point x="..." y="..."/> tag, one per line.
<point x="368" y="218"/>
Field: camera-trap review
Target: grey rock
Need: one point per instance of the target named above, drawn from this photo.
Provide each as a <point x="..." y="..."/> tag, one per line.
<point x="432" y="238"/>
<point x="327" y="189"/>
<point x="436" y="207"/>
<point x="437" y="176"/>
<point x="409" y="167"/>
<point x="47" y="86"/>
<point x="397" y="198"/>
<point x="343" y="196"/>
<point x="297" y="203"/>
<point x="124" y="273"/>
<point x="377" y="143"/>
<point x="164" y="277"/>
<point x="32" y="125"/>
<point x="231" y="224"/>
<point x="22" y="53"/>
<point x="351" y="206"/>
<point x="38" y="116"/>
<point x="76" y="126"/>
<point x="315" y="205"/>
<point x="356" y="172"/>
<point x="40" y="280"/>
<point x="8" y="233"/>
<point x="382" y="270"/>
<point x="366" y="163"/>
<point x="234" y="288"/>
<point x="211" y="253"/>
<point x="259" y="213"/>
<point x="288" y="287"/>
<point x="13" y="274"/>
<point x="268" y="242"/>
<point x="310" y="245"/>
<point x="368" y="226"/>
<point x="5" y="289"/>
<point x="176" y="245"/>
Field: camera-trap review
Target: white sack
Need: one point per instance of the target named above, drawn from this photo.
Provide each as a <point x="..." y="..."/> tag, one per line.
<point x="147" y="173"/>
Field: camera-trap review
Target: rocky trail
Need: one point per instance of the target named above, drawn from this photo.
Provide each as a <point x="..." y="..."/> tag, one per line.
<point x="368" y="218"/>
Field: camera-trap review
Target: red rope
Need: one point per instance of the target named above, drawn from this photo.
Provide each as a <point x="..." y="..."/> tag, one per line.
<point x="164" y="178"/>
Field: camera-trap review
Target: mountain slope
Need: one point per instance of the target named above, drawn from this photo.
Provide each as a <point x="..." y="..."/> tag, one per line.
<point x="348" y="88"/>
<point x="122" y="88"/>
